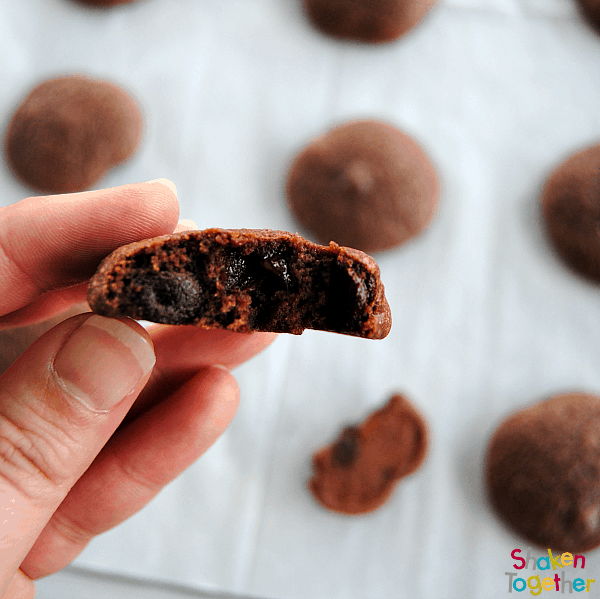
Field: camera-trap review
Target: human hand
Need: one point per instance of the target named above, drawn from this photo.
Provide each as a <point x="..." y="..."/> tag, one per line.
<point x="96" y="414"/>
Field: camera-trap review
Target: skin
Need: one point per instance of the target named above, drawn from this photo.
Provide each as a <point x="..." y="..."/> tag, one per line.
<point x="77" y="473"/>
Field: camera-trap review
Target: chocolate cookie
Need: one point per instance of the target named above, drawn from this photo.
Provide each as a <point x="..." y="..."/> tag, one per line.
<point x="543" y="472"/>
<point x="363" y="184"/>
<point x="357" y="474"/>
<point x="243" y="280"/>
<point x="370" y="21"/>
<point x="591" y="11"/>
<point x="69" y="132"/>
<point x="570" y="205"/>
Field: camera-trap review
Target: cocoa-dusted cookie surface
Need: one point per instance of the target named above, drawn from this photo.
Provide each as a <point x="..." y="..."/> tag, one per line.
<point x="358" y="472"/>
<point x="363" y="184"/>
<point x="570" y="205"/>
<point x="69" y="132"/>
<point x="243" y="280"/>
<point x="543" y="472"/>
<point x="369" y="21"/>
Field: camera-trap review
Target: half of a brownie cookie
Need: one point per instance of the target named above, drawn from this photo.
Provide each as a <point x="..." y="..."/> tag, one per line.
<point x="243" y="280"/>
<point x="358" y="472"/>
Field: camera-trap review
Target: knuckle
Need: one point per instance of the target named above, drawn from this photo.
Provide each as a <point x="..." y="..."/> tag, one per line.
<point x="31" y="462"/>
<point x="75" y="534"/>
<point x="139" y="475"/>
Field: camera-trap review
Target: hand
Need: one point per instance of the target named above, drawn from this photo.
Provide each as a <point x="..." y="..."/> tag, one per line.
<point x="96" y="414"/>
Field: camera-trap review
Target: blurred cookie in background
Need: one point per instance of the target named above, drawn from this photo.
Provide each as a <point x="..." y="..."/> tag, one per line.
<point x="363" y="184"/>
<point x="70" y="131"/>
<point x="590" y="9"/>
<point x="543" y="472"/>
<point x="368" y="21"/>
<point x="570" y="205"/>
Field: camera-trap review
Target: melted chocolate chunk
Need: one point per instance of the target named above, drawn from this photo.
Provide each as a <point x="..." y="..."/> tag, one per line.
<point x="278" y="267"/>
<point x="345" y="451"/>
<point x="170" y="296"/>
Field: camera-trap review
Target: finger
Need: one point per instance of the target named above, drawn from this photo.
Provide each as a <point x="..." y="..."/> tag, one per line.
<point x="138" y="461"/>
<point x="14" y="341"/>
<point x="57" y="241"/>
<point x="185" y="224"/>
<point x="19" y="329"/>
<point x="59" y="403"/>
<point x="20" y="587"/>
<point x="48" y="305"/>
<point x="60" y="300"/>
<point x="186" y="348"/>
<point x="182" y="350"/>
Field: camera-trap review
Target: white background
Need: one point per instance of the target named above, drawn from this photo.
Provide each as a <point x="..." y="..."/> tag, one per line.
<point x="486" y="318"/>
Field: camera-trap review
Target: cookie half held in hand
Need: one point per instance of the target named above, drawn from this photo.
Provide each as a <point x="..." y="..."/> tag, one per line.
<point x="358" y="472"/>
<point x="543" y="472"/>
<point x="243" y="280"/>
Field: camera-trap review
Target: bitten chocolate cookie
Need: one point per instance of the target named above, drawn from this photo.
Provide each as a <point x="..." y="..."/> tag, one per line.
<point x="591" y="11"/>
<point x="370" y="21"/>
<point x="243" y="280"/>
<point x="358" y="472"/>
<point x="364" y="184"/>
<point x="69" y="132"/>
<point x="570" y="206"/>
<point x="543" y="472"/>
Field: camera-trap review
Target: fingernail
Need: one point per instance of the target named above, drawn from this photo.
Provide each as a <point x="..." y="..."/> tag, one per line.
<point x="166" y="182"/>
<point x="102" y="362"/>
<point x="186" y="222"/>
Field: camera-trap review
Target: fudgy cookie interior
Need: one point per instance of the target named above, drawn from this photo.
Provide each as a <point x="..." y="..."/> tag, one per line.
<point x="261" y="285"/>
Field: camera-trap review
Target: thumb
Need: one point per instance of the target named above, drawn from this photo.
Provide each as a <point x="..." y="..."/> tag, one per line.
<point x="59" y="404"/>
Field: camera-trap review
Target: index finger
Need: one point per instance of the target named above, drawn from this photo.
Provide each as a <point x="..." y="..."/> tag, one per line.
<point x="52" y="242"/>
<point x="182" y="350"/>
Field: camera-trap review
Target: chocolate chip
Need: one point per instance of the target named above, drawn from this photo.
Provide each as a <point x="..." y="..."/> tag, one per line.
<point x="166" y="294"/>
<point x="345" y="451"/>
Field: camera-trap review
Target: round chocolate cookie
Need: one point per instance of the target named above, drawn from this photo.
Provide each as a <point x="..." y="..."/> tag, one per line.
<point x="358" y="472"/>
<point x="370" y="21"/>
<point x="543" y="472"/>
<point x="570" y="206"/>
<point x="364" y="184"/>
<point x="69" y="132"/>
<point x="591" y="11"/>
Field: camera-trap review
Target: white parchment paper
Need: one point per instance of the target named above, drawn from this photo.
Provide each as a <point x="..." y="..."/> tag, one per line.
<point x="486" y="318"/>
